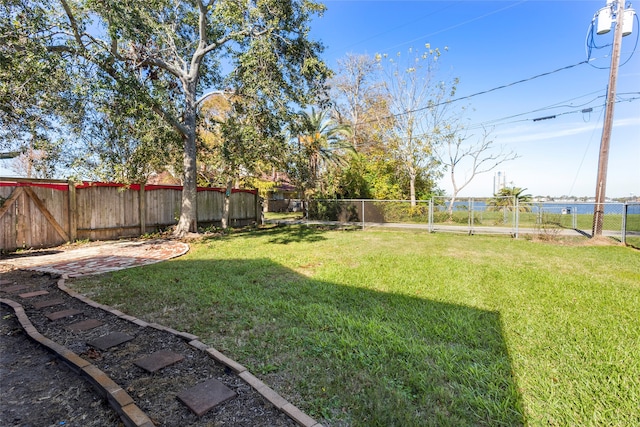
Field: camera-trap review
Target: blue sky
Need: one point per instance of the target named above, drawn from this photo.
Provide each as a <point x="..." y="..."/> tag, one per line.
<point x="493" y="43"/>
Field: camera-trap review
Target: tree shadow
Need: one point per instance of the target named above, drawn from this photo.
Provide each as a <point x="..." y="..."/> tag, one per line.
<point x="352" y="355"/>
<point x="285" y="234"/>
<point x="27" y="253"/>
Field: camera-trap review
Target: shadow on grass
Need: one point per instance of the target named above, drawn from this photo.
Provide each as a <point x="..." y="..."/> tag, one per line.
<point x="285" y="234"/>
<point x="346" y="355"/>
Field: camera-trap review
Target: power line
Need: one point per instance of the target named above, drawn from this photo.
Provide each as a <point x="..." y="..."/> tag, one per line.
<point x="398" y="27"/>
<point x="583" y="111"/>
<point x="494" y="122"/>
<point x="586" y="150"/>
<point x="549" y="107"/>
<point x="458" y="25"/>
<point x="450" y="101"/>
<point x="590" y="45"/>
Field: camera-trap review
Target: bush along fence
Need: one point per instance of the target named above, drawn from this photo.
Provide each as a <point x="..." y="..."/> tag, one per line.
<point x="501" y="215"/>
<point x="39" y="213"/>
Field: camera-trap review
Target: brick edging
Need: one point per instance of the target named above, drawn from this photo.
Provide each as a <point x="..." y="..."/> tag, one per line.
<point x="268" y="393"/>
<point x="130" y="414"/>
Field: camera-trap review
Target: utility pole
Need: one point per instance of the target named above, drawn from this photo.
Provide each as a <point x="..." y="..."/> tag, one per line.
<point x="603" y="160"/>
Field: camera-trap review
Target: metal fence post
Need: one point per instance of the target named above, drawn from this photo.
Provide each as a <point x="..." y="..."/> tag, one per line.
<point x="470" y="215"/>
<point x="430" y="220"/>
<point x="516" y="221"/>
<point x="625" y="211"/>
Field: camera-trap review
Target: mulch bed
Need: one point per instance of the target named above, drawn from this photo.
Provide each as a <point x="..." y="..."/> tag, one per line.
<point x="39" y="390"/>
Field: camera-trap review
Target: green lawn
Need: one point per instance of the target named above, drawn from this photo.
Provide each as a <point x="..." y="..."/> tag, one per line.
<point x="283" y="215"/>
<point x="396" y="328"/>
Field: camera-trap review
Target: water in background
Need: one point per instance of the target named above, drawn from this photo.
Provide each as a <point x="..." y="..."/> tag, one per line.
<point x="554" y="207"/>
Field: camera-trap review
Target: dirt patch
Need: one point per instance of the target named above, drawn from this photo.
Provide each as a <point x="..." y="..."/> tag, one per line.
<point x="33" y="378"/>
<point x="602" y="241"/>
<point x="573" y="240"/>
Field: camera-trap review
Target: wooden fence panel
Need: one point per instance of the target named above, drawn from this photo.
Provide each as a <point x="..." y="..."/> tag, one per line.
<point x="37" y="213"/>
<point x="35" y="216"/>
<point x="107" y="212"/>
<point x="163" y="207"/>
<point x="8" y="218"/>
<point x="242" y="207"/>
<point x="48" y="216"/>
<point x="210" y="206"/>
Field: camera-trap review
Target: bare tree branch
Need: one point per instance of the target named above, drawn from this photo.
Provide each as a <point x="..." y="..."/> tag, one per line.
<point x="480" y="154"/>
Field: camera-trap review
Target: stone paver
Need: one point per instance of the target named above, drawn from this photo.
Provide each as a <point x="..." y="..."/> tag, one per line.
<point x="111" y="256"/>
<point x="97" y="259"/>
<point x="57" y="315"/>
<point x="15" y="288"/>
<point x="33" y="294"/>
<point x="47" y="303"/>
<point x="105" y="342"/>
<point x="158" y="360"/>
<point x="84" y="325"/>
<point x="205" y="396"/>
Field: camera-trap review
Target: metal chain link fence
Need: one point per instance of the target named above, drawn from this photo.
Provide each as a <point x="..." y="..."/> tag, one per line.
<point x="506" y="215"/>
<point x="631" y="221"/>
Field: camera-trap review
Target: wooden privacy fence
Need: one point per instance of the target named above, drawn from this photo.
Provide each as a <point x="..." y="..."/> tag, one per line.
<point x="38" y="213"/>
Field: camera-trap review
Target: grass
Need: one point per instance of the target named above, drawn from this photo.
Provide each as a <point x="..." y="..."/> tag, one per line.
<point x="387" y="328"/>
<point x="283" y="215"/>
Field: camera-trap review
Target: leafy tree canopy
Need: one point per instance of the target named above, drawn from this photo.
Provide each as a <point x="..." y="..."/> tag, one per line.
<point x="142" y="65"/>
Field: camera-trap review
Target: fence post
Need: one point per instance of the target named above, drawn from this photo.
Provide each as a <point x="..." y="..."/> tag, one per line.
<point x="516" y="221"/>
<point x="625" y="211"/>
<point x="142" y="209"/>
<point x="470" y="215"/>
<point x="363" y="214"/>
<point x="430" y="221"/>
<point x="73" y="212"/>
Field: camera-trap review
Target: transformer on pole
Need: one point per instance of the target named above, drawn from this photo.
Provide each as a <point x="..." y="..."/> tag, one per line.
<point x="613" y="12"/>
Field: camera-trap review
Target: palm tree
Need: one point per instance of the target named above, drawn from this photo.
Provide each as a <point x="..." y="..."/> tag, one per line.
<point x="323" y="142"/>
<point x="505" y="200"/>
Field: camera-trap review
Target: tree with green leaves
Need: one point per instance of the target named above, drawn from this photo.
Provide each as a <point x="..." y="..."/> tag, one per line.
<point x="162" y="55"/>
<point x="359" y="100"/>
<point x="234" y="146"/>
<point x="39" y="100"/>
<point x="319" y="144"/>
<point x="324" y="143"/>
<point x="376" y="170"/>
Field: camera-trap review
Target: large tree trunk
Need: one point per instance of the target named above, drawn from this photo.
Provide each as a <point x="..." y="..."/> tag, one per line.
<point x="189" y="211"/>
<point x="227" y="204"/>
<point x="412" y="186"/>
<point x="451" y="204"/>
<point x="456" y="190"/>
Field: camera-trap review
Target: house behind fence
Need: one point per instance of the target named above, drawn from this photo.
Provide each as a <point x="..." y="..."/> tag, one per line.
<point x="45" y="213"/>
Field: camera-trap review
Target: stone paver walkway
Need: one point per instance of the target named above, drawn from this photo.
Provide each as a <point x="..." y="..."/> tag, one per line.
<point x="111" y="256"/>
<point x="100" y="258"/>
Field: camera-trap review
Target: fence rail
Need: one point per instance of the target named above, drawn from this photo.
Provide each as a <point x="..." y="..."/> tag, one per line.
<point x="39" y="213"/>
<point x="506" y="215"/>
